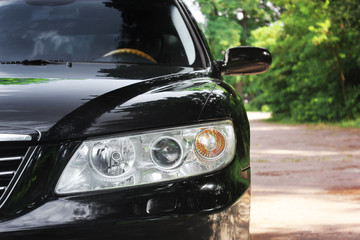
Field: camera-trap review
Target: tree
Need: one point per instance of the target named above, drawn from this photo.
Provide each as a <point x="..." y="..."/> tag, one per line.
<point x="315" y="48"/>
<point x="315" y="72"/>
<point x="230" y="22"/>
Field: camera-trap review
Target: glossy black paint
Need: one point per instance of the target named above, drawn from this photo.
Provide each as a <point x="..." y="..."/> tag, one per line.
<point x="60" y="106"/>
<point x="246" y="61"/>
<point x="145" y="103"/>
<point x="108" y="101"/>
<point x="200" y="226"/>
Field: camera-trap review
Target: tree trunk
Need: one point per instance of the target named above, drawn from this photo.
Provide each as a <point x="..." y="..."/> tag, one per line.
<point x="238" y="87"/>
<point x="341" y="72"/>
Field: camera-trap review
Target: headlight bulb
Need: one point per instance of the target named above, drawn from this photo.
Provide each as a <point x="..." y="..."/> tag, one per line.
<point x="166" y="153"/>
<point x="112" y="159"/>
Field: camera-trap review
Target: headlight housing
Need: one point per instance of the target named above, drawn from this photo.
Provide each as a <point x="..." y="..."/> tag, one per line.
<point x="154" y="156"/>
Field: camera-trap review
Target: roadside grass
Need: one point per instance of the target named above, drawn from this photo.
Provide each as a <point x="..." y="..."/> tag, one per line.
<point x="350" y="123"/>
<point x="318" y="125"/>
<point x="348" y="157"/>
<point x="262" y="160"/>
<point x="353" y="123"/>
<point x="250" y="108"/>
<point x="296" y="160"/>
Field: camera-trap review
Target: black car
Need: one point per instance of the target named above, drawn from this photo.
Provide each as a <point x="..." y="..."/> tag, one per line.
<point x="115" y="123"/>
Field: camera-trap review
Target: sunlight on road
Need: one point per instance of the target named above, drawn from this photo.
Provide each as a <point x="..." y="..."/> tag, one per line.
<point x="258" y="115"/>
<point x="270" y="128"/>
<point x="304" y="153"/>
<point x="305" y="182"/>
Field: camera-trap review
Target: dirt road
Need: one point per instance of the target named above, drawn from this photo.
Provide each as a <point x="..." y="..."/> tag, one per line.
<point x="305" y="182"/>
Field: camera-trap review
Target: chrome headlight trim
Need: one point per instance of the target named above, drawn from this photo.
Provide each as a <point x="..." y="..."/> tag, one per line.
<point x="81" y="174"/>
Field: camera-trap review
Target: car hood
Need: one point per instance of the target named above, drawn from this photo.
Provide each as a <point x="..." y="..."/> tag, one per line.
<point x="58" y="103"/>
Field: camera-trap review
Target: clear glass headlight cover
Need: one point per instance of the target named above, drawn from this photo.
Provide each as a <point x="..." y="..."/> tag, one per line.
<point x="155" y="156"/>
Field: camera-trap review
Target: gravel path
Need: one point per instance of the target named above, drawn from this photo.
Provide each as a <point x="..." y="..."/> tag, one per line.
<point x="305" y="181"/>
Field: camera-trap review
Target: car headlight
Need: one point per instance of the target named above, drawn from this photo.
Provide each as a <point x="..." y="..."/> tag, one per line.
<point x="156" y="156"/>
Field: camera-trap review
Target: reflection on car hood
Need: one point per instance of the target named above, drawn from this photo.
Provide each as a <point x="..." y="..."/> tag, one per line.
<point x="90" y="99"/>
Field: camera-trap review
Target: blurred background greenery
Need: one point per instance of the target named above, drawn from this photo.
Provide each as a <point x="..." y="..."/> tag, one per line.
<point x="316" y="55"/>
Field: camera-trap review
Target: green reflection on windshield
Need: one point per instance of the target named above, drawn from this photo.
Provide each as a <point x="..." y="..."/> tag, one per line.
<point x="22" y="81"/>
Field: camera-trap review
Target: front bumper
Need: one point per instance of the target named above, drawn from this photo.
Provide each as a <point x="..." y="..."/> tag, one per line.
<point x="212" y="206"/>
<point x="229" y="223"/>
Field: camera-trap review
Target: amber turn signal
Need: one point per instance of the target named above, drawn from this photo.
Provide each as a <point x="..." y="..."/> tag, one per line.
<point x="210" y="144"/>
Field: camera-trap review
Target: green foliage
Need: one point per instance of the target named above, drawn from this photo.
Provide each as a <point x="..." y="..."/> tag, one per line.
<point x="251" y="108"/>
<point x="315" y="70"/>
<point x="229" y="24"/>
<point x="223" y="34"/>
<point x="316" y="54"/>
<point x="354" y="123"/>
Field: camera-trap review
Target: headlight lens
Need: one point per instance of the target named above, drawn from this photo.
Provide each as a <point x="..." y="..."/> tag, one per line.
<point x="154" y="156"/>
<point x="166" y="153"/>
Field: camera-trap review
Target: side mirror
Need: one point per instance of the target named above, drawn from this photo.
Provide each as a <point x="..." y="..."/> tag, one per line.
<point x="246" y="61"/>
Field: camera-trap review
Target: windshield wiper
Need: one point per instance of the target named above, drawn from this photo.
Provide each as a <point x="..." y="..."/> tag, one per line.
<point x="38" y="62"/>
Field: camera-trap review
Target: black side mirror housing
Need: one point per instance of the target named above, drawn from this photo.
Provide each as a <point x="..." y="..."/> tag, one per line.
<point x="246" y="61"/>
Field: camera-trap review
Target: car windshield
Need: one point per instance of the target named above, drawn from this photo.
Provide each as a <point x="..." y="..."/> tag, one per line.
<point x="126" y="31"/>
